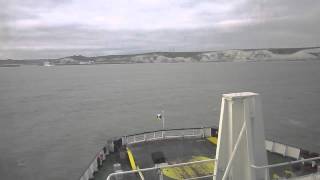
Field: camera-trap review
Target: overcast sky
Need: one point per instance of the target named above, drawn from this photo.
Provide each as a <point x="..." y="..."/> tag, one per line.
<point x="56" y="28"/>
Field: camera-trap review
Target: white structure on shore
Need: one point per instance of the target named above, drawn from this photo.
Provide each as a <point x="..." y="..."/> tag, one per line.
<point x="47" y="63"/>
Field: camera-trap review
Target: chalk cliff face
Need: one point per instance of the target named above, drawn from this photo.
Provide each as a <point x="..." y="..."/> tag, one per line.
<point x="284" y="54"/>
<point x="259" y="55"/>
<point x="215" y="56"/>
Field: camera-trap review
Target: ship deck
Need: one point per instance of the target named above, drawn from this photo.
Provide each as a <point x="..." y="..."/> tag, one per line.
<point x="180" y="150"/>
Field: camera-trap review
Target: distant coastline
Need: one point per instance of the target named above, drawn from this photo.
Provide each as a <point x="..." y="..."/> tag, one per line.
<point x="232" y="55"/>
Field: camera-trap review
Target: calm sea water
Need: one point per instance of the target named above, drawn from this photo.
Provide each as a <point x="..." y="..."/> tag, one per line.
<point x="54" y="119"/>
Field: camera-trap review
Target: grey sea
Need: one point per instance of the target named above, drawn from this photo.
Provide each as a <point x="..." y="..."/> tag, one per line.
<point x="54" y="119"/>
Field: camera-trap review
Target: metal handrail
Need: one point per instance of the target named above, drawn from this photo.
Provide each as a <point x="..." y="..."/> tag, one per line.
<point x="176" y="134"/>
<point x="267" y="167"/>
<point x="146" y="132"/>
<point x="131" y="135"/>
<point x="200" y="177"/>
<point x="285" y="163"/>
<point x="158" y="167"/>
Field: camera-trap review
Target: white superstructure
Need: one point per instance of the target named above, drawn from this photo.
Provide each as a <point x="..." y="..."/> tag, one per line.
<point x="241" y="140"/>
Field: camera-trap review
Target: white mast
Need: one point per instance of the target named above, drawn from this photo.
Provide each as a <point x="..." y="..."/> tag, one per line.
<point x="241" y="140"/>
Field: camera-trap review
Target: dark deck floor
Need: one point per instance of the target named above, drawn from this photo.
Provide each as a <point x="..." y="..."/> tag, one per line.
<point x="107" y="167"/>
<point x="174" y="151"/>
<point x="178" y="151"/>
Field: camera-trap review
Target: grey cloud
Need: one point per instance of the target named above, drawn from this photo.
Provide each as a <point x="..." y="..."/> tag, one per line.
<point x="284" y="23"/>
<point x="37" y="3"/>
<point x="194" y="3"/>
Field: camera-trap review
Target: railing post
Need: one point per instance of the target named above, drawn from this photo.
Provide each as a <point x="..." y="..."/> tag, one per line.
<point x="266" y="173"/>
<point x="203" y="132"/>
<point x="160" y="174"/>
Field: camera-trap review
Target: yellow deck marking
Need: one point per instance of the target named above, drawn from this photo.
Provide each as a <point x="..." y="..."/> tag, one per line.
<point x="288" y="173"/>
<point x="190" y="171"/>
<point x="213" y="140"/>
<point x="131" y="159"/>
<point x="133" y="163"/>
<point x="174" y="172"/>
<point x="275" y="176"/>
<point x="203" y="168"/>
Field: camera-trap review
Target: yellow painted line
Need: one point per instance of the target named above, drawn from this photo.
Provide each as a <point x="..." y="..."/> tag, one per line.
<point x="275" y="176"/>
<point x="133" y="163"/>
<point x="213" y="140"/>
<point x="202" y="168"/>
<point x="288" y="173"/>
<point x="173" y="173"/>
<point x="131" y="159"/>
<point x="190" y="171"/>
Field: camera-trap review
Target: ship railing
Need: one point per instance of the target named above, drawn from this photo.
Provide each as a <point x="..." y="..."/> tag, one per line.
<point x="158" y="169"/>
<point x="167" y="134"/>
<point x="314" y="175"/>
<point x="100" y="156"/>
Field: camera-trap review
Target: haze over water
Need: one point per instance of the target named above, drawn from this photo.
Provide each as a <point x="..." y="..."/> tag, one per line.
<point x="54" y="119"/>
